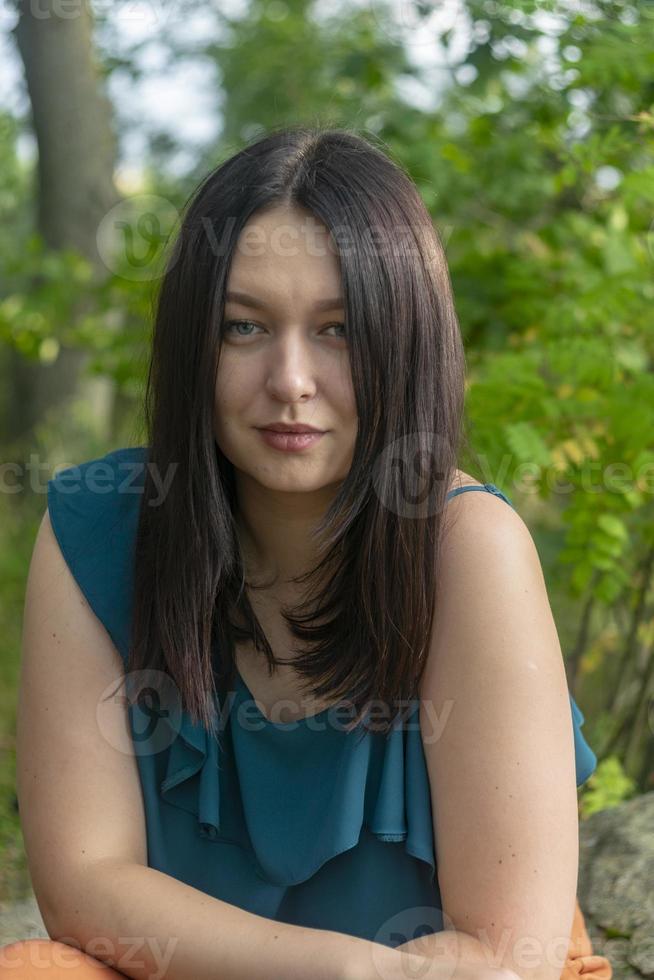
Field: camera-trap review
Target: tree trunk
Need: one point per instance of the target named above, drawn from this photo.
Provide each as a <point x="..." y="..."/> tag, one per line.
<point x="75" y="189"/>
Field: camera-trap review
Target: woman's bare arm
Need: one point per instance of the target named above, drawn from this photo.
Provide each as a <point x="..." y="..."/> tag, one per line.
<point x="147" y="924"/>
<point x="498" y="738"/>
<point x="83" y="822"/>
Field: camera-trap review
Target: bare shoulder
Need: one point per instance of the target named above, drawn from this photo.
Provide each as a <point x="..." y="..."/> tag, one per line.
<point x="462" y="479"/>
<point x="489" y="577"/>
<point x="470" y="519"/>
<point x="488" y="571"/>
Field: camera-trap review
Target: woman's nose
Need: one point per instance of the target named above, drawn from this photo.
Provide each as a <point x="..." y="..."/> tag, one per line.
<point x="291" y="370"/>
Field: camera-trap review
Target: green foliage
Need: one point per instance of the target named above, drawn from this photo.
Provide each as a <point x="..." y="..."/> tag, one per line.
<point x="608" y="786"/>
<point x="57" y="299"/>
<point x="338" y="69"/>
<point x="552" y="271"/>
<point x="14" y="187"/>
<point x="38" y="313"/>
<point x="18" y="527"/>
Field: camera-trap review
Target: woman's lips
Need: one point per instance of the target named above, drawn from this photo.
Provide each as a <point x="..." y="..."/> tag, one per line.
<point x="290" y="442"/>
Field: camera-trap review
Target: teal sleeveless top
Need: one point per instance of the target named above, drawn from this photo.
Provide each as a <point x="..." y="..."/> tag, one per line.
<point x="301" y="822"/>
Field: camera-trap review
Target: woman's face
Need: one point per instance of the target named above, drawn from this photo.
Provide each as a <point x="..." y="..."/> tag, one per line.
<point x="289" y="360"/>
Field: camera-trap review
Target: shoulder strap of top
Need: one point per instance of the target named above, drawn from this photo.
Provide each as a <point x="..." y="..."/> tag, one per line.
<point x="488" y="487"/>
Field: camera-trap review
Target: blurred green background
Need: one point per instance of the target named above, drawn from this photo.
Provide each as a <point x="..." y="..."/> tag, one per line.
<point x="528" y="128"/>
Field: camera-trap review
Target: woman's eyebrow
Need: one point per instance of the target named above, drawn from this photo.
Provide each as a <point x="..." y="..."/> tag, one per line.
<point x="237" y="297"/>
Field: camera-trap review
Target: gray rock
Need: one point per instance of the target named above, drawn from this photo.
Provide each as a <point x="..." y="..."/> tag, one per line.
<point x="616" y="885"/>
<point x="21" y="920"/>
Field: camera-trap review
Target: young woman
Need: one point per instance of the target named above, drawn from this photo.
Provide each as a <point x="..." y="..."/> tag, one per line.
<point x="344" y="733"/>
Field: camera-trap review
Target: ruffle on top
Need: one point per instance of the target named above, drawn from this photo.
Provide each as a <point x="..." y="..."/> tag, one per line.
<point x="292" y="826"/>
<point x="292" y="795"/>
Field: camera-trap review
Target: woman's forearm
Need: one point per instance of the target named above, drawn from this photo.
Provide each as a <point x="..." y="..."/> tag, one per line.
<point x="451" y="945"/>
<point x="150" y="926"/>
<point x="464" y="948"/>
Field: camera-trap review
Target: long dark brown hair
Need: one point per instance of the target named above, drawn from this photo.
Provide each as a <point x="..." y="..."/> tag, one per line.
<point x="367" y="619"/>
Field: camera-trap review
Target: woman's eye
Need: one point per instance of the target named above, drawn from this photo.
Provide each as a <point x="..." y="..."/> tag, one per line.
<point x="238" y="323"/>
<point x="248" y="323"/>
<point x="341" y="325"/>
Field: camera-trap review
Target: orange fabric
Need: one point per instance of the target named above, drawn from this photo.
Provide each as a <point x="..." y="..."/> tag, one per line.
<point x="581" y="961"/>
<point x="36" y="959"/>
